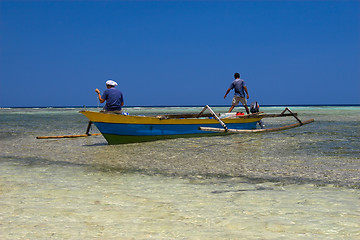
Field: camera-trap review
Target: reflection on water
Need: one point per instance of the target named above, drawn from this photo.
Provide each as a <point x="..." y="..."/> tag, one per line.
<point x="294" y="184"/>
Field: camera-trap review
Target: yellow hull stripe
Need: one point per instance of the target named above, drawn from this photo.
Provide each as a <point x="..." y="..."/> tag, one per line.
<point x="128" y="119"/>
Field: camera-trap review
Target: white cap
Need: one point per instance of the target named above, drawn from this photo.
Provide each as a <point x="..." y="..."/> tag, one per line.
<point x="111" y="83"/>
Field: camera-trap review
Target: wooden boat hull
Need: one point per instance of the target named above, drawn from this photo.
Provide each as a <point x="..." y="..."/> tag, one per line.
<point x="120" y="129"/>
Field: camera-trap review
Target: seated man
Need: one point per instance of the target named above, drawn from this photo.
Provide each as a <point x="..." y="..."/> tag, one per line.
<point x="113" y="97"/>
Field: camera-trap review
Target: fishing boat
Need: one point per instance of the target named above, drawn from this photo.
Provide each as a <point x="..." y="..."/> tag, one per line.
<point x="120" y="129"/>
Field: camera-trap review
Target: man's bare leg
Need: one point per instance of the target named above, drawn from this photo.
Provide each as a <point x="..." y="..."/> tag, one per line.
<point x="247" y="109"/>
<point x="231" y="108"/>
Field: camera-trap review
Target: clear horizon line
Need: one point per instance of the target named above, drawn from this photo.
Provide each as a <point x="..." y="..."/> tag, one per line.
<point x="215" y="105"/>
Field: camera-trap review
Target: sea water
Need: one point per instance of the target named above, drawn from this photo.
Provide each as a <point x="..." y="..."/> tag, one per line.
<point x="301" y="183"/>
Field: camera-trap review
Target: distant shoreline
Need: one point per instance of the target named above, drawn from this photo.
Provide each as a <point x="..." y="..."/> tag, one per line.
<point x="155" y="106"/>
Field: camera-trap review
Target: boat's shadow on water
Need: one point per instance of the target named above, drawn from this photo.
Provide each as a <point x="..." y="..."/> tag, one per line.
<point x="96" y="144"/>
<point x="243" y="190"/>
<point x="38" y="161"/>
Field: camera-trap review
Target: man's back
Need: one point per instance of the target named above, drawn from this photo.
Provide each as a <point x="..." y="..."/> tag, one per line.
<point x="113" y="98"/>
<point x="238" y="86"/>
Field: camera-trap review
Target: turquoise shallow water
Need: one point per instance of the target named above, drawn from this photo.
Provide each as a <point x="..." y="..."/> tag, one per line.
<point x="302" y="183"/>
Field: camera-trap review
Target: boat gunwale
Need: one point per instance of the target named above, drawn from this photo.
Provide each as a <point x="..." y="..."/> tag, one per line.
<point x="129" y="119"/>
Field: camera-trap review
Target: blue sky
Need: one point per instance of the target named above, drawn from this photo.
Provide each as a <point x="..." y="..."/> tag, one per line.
<point x="55" y="53"/>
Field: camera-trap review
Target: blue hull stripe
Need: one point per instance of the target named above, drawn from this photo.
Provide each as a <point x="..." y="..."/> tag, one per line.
<point x="162" y="129"/>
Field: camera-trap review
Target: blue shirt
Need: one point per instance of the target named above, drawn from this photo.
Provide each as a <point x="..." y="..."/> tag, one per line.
<point x="113" y="98"/>
<point x="238" y="86"/>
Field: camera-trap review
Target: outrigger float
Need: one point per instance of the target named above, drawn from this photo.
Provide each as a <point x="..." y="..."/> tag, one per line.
<point x="121" y="129"/>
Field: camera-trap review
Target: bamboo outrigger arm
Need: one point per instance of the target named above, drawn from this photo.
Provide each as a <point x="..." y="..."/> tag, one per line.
<point x="215" y="116"/>
<point x="282" y="114"/>
<point x="293" y="114"/>
<point x="69" y="136"/>
<point x="256" y="130"/>
<point x="87" y="134"/>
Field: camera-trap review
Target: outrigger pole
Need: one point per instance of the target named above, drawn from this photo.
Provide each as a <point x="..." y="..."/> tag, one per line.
<point x="87" y="134"/>
<point x="215" y="116"/>
<point x="282" y="114"/>
<point x="256" y="130"/>
<point x="293" y="114"/>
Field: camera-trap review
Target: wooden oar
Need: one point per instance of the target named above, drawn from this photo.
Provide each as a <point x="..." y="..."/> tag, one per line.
<point x="87" y="134"/>
<point x="256" y="130"/>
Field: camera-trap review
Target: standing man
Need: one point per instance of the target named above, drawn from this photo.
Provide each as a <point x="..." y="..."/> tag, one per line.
<point x="113" y="97"/>
<point x="239" y="96"/>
